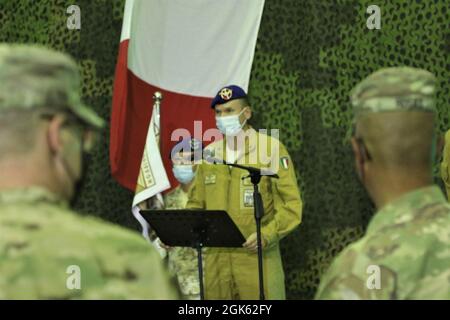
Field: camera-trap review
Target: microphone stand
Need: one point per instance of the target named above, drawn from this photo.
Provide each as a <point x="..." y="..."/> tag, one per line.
<point x="255" y="177"/>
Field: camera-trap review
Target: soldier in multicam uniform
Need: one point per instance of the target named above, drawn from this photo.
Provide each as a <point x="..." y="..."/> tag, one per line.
<point x="405" y="253"/>
<point x="182" y="260"/>
<point x="47" y="251"/>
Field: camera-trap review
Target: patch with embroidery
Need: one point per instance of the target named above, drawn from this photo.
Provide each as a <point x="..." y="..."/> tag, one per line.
<point x="247" y="198"/>
<point x="210" y="179"/>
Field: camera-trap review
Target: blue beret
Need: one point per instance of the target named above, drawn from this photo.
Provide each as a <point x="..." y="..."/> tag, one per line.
<point x="188" y="145"/>
<point x="227" y="94"/>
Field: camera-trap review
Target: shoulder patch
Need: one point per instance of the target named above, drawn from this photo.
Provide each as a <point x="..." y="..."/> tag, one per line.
<point x="284" y="161"/>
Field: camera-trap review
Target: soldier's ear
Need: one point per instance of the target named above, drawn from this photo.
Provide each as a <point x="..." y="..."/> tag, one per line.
<point x="54" y="134"/>
<point x="355" y="148"/>
<point x="248" y="112"/>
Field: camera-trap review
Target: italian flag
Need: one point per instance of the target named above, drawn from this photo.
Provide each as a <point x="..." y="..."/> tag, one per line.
<point x="187" y="51"/>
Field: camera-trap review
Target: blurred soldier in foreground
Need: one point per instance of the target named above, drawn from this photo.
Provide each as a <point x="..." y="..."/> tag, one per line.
<point x="405" y="253"/>
<point x="47" y="251"/>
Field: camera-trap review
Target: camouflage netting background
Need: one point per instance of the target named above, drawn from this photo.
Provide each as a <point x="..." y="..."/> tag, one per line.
<point x="309" y="55"/>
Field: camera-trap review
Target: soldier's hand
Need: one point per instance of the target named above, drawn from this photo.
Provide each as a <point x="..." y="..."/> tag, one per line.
<point x="164" y="246"/>
<point x="157" y="241"/>
<point x="252" y="244"/>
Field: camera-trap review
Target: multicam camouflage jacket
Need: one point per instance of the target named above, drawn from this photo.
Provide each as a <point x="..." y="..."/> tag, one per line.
<point x="405" y="253"/>
<point x="49" y="252"/>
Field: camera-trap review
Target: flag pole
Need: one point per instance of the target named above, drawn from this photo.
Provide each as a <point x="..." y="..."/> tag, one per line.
<point x="157" y="201"/>
<point x="157" y="98"/>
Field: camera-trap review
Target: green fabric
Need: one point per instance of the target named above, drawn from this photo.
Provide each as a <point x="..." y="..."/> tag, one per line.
<point x="395" y="89"/>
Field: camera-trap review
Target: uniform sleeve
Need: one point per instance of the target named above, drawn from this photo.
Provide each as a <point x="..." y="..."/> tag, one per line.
<point x="351" y="277"/>
<point x="154" y="282"/>
<point x="196" y="195"/>
<point x="131" y="269"/>
<point x="287" y="201"/>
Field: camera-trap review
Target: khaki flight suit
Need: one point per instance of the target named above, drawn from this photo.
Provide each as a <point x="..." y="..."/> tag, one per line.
<point x="232" y="273"/>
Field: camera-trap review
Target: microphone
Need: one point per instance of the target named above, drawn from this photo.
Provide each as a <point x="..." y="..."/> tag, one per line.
<point x="208" y="157"/>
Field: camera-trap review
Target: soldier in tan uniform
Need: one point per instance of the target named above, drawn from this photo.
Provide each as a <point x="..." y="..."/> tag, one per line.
<point x="47" y="250"/>
<point x="233" y="273"/>
<point x="405" y="253"/>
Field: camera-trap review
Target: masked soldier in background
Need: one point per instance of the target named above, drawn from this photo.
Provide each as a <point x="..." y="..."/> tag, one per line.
<point x="405" y="253"/>
<point x="183" y="260"/>
<point x="47" y="250"/>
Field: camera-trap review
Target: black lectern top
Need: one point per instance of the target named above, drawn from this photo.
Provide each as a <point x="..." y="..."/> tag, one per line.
<point x="188" y="228"/>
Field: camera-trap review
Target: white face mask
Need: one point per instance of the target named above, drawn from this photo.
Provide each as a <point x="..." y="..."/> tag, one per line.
<point x="230" y="125"/>
<point x="183" y="173"/>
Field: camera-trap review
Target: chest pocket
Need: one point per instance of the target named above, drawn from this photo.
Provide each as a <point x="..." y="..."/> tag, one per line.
<point x="216" y="178"/>
<point x="246" y="192"/>
<point x="210" y="179"/>
<point x="216" y="182"/>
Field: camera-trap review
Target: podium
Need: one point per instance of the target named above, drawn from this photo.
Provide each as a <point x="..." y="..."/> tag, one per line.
<point x="196" y="229"/>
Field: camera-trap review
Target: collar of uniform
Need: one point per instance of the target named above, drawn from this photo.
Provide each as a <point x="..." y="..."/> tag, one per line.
<point x="30" y="195"/>
<point x="177" y="191"/>
<point x="405" y="208"/>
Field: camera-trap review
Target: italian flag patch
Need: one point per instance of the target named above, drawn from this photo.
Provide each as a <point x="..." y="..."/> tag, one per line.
<point x="284" y="162"/>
